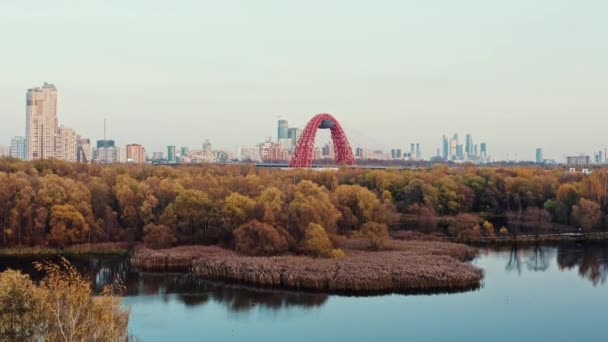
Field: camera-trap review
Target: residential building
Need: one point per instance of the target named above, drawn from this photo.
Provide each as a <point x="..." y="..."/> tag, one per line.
<point x="41" y="121"/>
<point x="136" y="153"/>
<point x="108" y="155"/>
<point x="66" y="145"/>
<point x="18" y="148"/>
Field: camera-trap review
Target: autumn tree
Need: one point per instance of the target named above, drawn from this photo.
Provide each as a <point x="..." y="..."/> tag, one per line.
<point x="316" y="242"/>
<point x="259" y="239"/>
<point x="357" y="206"/>
<point x="61" y="308"/>
<point x="191" y="215"/>
<point x="465" y="227"/>
<point x="237" y="210"/>
<point x="68" y="226"/>
<point x="488" y="230"/>
<point x="567" y="195"/>
<point x="20" y="308"/>
<point x="587" y="213"/>
<point x="311" y="204"/>
<point x="158" y="236"/>
<point x="375" y="233"/>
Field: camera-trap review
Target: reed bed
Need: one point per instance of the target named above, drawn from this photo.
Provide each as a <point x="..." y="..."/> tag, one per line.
<point x="415" y="266"/>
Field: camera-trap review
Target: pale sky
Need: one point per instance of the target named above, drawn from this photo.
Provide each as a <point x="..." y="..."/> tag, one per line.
<point x="516" y="74"/>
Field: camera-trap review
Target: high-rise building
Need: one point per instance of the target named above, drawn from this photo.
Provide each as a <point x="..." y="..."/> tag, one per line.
<point x="183" y="151"/>
<point x="282" y="130"/>
<point x="454" y="147"/>
<point x="294" y="134"/>
<point x="84" y="152"/>
<point x="469" y="145"/>
<point x="483" y="150"/>
<point x="539" y="156"/>
<point x="136" y="153"/>
<point x="446" y="148"/>
<point x="460" y="152"/>
<point x="41" y="121"/>
<point x="171" y="157"/>
<point x="418" y="153"/>
<point x="66" y="145"/>
<point x="396" y="153"/>
<point x="108" y="155"/>
<point x="18" y="148"/>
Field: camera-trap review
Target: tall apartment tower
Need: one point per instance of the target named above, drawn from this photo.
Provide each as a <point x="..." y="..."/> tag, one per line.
<point x="41" y="121"/>
<point x="282" y="130"/>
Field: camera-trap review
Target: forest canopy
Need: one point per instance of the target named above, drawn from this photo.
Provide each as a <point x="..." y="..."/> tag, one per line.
<point x="57" y="203"/>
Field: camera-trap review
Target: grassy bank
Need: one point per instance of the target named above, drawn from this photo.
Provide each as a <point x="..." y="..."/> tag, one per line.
<point x="409" y="267"/>
<point x="107" y="248"/>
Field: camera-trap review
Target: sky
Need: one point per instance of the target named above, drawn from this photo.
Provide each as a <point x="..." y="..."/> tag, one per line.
<point x="516" y="74"/>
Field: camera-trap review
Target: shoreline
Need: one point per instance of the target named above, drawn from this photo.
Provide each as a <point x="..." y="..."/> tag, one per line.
<point x="104" y="248"/>
<point x="536" y="239"/>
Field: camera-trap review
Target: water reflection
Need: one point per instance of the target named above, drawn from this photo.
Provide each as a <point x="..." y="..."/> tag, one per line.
<point x="190" y="290"/>
<point x="590" y="259"/>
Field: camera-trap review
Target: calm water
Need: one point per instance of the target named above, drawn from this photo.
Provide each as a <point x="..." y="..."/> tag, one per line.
<point x="529" y="294"/>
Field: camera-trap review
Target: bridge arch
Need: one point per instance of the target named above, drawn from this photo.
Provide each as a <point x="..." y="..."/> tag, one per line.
<point x="303" y="153"/>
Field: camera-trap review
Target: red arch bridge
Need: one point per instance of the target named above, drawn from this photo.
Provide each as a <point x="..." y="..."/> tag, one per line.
<point x="303" y="153"/>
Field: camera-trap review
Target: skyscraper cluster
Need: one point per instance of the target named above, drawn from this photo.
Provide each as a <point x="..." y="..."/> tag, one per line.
<point x="452" y="149"/>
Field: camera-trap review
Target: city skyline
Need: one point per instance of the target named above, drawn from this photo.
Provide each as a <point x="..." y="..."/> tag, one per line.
<point x="457" y="150"/>
<point x="396" y="71"/>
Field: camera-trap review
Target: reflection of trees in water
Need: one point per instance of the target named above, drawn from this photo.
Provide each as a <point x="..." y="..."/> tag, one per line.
<point x="192" y="291"/>
<point x="591" y="260"/>
<point x="187" y="288"/>
<point x="535" y="259"/>
<point x="539" y="258"/>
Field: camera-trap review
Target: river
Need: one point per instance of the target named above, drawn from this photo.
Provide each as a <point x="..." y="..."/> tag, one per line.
<point x="548" y="293"/>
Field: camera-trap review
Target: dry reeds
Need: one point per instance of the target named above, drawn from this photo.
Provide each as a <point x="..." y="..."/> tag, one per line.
<point x="412" y="266"/>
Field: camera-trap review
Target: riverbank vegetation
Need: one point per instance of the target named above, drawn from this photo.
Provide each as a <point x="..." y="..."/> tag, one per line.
<point x="55" y="204"/>
<point x="61" y="307"/>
